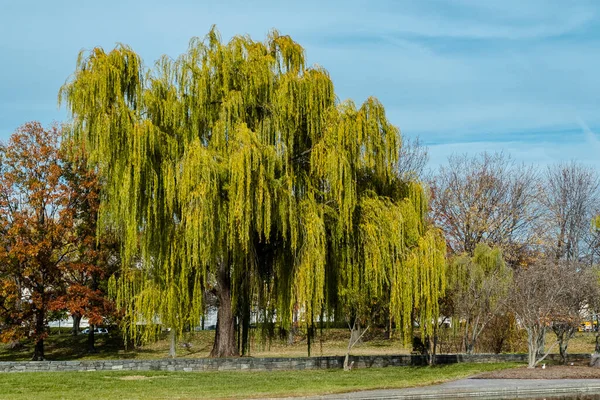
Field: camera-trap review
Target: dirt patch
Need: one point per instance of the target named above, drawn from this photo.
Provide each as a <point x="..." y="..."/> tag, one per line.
<point x="133" y="378"/>
<point x="550" y="372"/>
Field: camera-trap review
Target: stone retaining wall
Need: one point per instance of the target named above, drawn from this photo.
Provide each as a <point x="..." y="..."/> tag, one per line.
<point x="261" y="364"/>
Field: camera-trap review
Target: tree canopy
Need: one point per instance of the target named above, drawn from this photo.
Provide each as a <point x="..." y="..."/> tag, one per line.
<point x="42" y="198"/>
<point x="478" y="287"/>
<point x="487" y="198"/>
<point x="234" y="169"/>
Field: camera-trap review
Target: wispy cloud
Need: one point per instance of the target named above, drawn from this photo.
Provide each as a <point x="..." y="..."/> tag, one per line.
<point x="539" y="153"/>
<point x="465" y="75"/>
<point x="590" y="137"/>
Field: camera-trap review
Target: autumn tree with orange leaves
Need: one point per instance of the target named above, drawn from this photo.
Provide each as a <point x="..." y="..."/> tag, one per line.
<point x="41" y="240"/>
<point x="96" y="257"/>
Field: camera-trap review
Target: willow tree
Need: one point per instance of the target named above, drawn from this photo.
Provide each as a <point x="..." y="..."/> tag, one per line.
<point x="234" y="170"/>
<point x="478" y="288"/>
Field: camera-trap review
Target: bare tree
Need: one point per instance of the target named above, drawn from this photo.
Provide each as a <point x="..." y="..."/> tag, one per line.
<point x="356" y="334"/>
<point x="569" y="201"/>
<point x="488" y="198"/>
<point x="413" y="159"/>
<point x="592" y="241"/>
<point x="583" y="284"/>
<point x="593" y="305"/>
<point x="548" y="294"/>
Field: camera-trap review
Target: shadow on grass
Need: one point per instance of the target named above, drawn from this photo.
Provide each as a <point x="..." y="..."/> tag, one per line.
<point x="65" y="347"/>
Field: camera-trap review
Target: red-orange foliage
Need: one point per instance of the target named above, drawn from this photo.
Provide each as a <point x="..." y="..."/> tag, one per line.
<point x="88" y="270"/>
<point x="43" y="235"/>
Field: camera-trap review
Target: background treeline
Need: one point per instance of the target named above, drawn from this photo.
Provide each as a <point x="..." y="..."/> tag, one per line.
<point x="522" y="250"/>
<point x="522" y="244"/>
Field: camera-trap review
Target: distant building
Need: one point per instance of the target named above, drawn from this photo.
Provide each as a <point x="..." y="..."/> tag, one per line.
<point x="68" y="323"/>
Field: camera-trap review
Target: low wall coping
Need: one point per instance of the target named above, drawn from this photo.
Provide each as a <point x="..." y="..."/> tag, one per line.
<point x="262" y="363"/>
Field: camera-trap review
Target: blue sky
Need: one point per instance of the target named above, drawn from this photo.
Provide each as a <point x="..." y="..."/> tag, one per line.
<point x="465" y="76"/>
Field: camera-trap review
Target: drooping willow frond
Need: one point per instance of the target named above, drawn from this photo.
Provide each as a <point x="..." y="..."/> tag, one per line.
<point x="237" y="152"/>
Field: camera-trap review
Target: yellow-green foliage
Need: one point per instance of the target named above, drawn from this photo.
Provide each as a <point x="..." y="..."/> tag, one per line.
<point x="479" y="281"/>
<point x="238" y="153"/>
<point x="485" y="262"/>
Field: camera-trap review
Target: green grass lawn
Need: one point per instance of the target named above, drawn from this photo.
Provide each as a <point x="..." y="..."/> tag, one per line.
<point x="67" y="347"/>
<point x="214" y="385"/>
<point x="331" y="342"/>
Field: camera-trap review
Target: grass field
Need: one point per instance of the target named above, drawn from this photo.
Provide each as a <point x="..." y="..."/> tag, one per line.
<point x="224" y="385"/>
<point x="332" y="342"/>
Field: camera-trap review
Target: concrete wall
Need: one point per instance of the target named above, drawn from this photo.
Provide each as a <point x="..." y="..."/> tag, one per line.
<point x="259" y="364"/>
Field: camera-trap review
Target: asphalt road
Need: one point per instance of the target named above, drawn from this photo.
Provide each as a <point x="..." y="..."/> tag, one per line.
<point x="480" y="388"/>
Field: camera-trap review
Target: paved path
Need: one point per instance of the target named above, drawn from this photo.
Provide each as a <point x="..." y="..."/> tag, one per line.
<point x="480" y="388"/>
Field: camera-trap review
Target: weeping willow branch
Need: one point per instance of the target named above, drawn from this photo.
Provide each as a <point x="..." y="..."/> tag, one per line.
<point x="239" y="155"/>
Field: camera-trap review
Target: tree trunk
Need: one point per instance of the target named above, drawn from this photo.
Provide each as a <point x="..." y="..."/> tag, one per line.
<point x="532" y="347"/>
<point x="351" y="343"/>
<point x="308" y="337"/>
<point x="563" y="335"/>
<point x="472" y="331"/>
<point x="466" y="337"/>
<point x="470" y="347"/>
<point x="293" y="327"/>
<point x="91" y="337"/>
<point x="389" y="332"/>
<point x="76" y="322"/>
<point x="347" y="366"/>
<point x="91" y="342"/>
<point x="245" y="329"/>
<point x="356" y="334"/>
<point x="38" y="352"/>
<point x="354" y="338"/>
<point x="561" y="239"/>
<point x="563" y="344"/>
<point x="535" y="336"/>
<point x="541" y="342"/>
<point x="224" y="345"/>
<point x="433" y="339"/>
<point x="290" y="338"/>
<point x="172" y="350"/>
